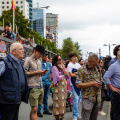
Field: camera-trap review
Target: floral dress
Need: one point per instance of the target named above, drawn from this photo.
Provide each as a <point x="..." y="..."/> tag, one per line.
<point x="59" y="92"/>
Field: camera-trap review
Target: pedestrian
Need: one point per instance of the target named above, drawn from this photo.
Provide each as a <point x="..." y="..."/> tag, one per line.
<point x="81" y="62"/>
<point x="46" y="81"/>
<point x="34" y="73"/>
<point x="13" y="83"/>
<point x="27" y="41"/>
<point x="68" y="82"/>
<point x="112" y="80"/>
<point x="102" y="72"/>
<point x="88" y="79"/>
<point x="59" y="88"/>
<point x="6" y="32"/>
<point x="115" y="50"/>
<point x="17" y="37"/>
<point x="76" y="97"/>
<point x="12" y="35"/>
<point x="50" y="61"/>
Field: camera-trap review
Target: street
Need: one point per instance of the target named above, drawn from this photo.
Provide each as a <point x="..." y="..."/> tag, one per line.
<point x="25" y="111"/>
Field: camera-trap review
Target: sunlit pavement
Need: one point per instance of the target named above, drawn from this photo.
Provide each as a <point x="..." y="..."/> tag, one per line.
<point x="25" y="111"/>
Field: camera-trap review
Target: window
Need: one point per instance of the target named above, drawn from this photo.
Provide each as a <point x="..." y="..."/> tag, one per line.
<point x="2" y="2"/>
<point x="16" y="2"/>
<point x="7" y="2"/>
<point x="7" y="6"/>
<point x="21" y="2"/>
<point x="2" y="7"/>
<point x="21" y="6"/>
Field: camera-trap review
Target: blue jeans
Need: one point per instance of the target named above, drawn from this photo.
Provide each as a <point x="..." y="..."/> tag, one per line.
<point x="46" y="89"/>
<point x="76" y="102"/>
<point x="116" y="99"/>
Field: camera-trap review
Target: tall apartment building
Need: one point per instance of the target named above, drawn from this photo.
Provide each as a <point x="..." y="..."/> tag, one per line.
<point x="30" y="11"/>
<point x="52" y="27"/>
<point x="22" y="4"/>
<point x="39" y="21"/>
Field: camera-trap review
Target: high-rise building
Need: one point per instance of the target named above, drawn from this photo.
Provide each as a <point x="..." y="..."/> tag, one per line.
<point x="22" y="4"/>
<point x="30" y="11"/>
<point x="39" y="21"/>
<point x="52" y="27"/>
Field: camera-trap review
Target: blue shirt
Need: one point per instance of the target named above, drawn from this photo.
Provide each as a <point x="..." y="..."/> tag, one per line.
<point x="113" y="72"/>
<point x="46" y="77"/>
<point x="112" y="61"/>
<point x="2" y="65"/>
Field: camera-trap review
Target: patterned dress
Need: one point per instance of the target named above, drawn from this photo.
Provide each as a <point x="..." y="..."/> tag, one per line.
<point x="59" y="92"/>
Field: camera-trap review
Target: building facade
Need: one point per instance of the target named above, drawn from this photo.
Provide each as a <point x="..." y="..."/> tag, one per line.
<point x="39" y="21"/>
<point x="52" y="27"/>
<point x="22" y="4"/>
<point x="30" y="11"/>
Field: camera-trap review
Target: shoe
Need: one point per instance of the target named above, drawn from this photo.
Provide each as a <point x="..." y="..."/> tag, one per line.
<point x="78" y="118"/>
<point x="47" y="112"/>
<point x="102" y="113"/>
<point x="39" y="114"/>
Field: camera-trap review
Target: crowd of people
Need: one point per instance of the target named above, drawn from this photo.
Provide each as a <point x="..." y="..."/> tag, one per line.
<point x="9" y="33"/>
<point x="31" y="79"/>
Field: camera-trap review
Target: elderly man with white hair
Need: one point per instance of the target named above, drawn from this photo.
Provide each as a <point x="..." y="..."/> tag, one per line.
<point x="13" y="83"/>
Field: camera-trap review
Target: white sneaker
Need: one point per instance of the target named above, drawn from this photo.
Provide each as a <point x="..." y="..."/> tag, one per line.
<point x="78" y="118"/>
<point x="101" y="113"/>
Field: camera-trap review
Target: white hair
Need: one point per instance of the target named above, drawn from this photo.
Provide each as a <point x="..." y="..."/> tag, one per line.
<point x="14" y="46"/>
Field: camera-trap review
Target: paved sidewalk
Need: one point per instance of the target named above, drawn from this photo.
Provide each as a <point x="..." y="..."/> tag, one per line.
<point x="25" y="111"/>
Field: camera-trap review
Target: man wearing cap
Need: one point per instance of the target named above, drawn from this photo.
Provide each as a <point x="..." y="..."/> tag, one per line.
<point x="34" y="73"/>
<point x="46" y="81"/>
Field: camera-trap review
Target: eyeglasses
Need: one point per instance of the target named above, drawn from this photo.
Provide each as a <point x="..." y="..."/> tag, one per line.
<point x="60" y="59"/>
<point x="20" y="49"/>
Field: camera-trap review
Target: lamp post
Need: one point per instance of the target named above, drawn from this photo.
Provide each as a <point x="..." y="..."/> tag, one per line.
<point x="109" y="46"/>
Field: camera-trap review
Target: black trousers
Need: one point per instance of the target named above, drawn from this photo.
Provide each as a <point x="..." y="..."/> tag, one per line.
<point x="9" y="111"/>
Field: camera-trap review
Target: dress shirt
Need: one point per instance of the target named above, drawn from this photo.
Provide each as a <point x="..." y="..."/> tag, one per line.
<point x="112" y="61"/>
<point x="113" y="72"/>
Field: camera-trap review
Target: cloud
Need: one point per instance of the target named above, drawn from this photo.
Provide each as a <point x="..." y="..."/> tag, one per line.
<point x="90" y="22"/>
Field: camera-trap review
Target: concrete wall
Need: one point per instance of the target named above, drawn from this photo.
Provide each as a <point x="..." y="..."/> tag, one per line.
<point x="28" y="50"/>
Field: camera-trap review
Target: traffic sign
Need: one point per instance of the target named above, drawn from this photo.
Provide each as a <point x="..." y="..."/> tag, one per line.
<point x="2" y="55"/>
<point x="2" y="47"/>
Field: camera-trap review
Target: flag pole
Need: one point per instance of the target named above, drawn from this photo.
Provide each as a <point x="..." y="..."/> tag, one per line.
<point x="3" y="22"/>
<point x="13" y="19"/>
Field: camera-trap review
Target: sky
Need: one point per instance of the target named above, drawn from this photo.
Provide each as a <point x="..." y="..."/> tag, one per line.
<point x="91" y="23"/>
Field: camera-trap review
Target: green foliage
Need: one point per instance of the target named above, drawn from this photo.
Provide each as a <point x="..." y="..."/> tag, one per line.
<point x="68" y="47"/>
<point x="77" y="47"/>
<point x="24" y="29"/>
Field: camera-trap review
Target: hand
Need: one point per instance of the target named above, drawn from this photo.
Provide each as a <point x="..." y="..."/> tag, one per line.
<point x="60" y="66"/>
<point x="40" y="72"/>
<point x="97" y="84"/>
<point x="116" y="90"/>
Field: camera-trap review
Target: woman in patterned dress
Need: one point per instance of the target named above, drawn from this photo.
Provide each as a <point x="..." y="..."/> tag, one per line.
<point x="59" y="89"/>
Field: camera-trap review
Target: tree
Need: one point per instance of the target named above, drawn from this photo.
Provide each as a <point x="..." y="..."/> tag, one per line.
<point x="68" y="47"/>
<point x="24" y="29"/>
<point x="23" y="24"/>
<point x="77" y="46"/>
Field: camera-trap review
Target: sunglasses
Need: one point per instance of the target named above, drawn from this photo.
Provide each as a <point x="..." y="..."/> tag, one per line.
<point x="60" y="59"/>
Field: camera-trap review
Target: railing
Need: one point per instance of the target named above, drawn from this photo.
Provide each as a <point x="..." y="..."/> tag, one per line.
<point x="28" y="49"/>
